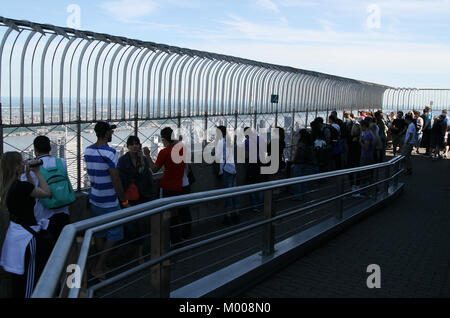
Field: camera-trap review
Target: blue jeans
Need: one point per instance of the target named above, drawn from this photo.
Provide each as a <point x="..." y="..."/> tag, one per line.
<point x="302" y="170"/>
<point x="229" y="181"/>
<point x="419" y="140"/>
<point x="114" y="234"/>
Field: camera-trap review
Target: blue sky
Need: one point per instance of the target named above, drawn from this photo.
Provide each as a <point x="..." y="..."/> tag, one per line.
<point x="393" y="42"/>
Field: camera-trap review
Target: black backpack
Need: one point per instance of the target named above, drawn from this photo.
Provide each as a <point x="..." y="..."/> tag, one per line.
<point x="334" y="134"/>
<point x="439" y="126"/>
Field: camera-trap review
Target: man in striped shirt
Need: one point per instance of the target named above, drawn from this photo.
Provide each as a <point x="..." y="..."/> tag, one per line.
<point x="106" y="189"/>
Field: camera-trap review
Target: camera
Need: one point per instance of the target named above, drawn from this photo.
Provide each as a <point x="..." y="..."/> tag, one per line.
<point x="35" y="163"/>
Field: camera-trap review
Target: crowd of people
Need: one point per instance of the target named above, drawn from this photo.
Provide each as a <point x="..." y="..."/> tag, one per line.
<point x="116" y="183"/>
<point x="362" y="140"/>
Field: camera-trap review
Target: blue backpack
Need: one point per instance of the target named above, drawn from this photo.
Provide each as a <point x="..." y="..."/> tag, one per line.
<point x="60" y="186"/>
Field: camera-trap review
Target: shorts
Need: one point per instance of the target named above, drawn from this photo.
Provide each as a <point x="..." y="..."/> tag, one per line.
<point x="112" y="235"/>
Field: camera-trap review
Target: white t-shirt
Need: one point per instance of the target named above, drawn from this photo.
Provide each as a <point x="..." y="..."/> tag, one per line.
<point x="420" y="122"/>
<point x="40" y="211"/>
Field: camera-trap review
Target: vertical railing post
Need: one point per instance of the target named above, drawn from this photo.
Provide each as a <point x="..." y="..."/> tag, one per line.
<point x="79" y="147"/>
<point x="387" y="174"/>
<point x="276" y="116"/>
<point x="1" y="130"/>
<point x="255" y="118"/>
<point x="341" y="189"/>
<point x="269" y="233"/>
<point x="292" y="136"/>
<point x="206" y="129"/>
<point x="236" y="120"/>
<point x="374" y="181"/>
<point x="136" y="122"/>
<point x="306" y="120"/>
<point x="160" y="240"/>
<point x="398" y="167"/>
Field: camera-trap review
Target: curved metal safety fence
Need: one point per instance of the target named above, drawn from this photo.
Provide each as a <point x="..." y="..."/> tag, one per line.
<point x="407" y="99"/>
<point x="208" y="260"/>
<point x="60" y="80"/>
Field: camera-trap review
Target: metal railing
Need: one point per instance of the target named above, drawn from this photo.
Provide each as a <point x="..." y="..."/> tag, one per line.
<point x="407" y="99"/>
<point x="328" y="195"/>
<point x="54" y="79"/>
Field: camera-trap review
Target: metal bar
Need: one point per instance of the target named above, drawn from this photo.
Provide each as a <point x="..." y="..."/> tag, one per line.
<point x="50" y="277"/>
<point x="212" y="240"/>
<point x="269" y="230"/>
<point x="67" y="32"/>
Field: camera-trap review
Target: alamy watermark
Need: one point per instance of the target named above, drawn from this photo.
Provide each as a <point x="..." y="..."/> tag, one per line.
<point x="74" y="277"/>
<point x="74" y="19"/>
<point x="374" y="19"/>
<point x="374" y="279"/>
<point x="236" y="149"/>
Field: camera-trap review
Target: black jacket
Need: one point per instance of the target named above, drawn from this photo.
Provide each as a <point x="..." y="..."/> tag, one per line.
<point x="141" y="176"/>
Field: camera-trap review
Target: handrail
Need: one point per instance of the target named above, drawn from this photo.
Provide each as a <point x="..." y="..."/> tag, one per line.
<point x="55" y="265"/>
<point x="181" y="250"/>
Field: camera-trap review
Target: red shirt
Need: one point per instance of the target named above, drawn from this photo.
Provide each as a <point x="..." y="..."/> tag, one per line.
<point x="172" y="179"/>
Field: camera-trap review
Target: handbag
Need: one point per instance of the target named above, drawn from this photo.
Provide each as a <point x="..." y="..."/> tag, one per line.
<point x="132" y="192"/>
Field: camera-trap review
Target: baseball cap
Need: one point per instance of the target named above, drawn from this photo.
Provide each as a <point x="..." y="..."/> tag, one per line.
<point x="102" y="127"/>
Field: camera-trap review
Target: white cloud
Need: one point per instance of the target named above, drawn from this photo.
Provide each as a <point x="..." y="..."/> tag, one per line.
<point x="268" y="5"/>
<point x="242" y="29"/>
<point x="412" y="65"/>
<point x="129" y="10"/>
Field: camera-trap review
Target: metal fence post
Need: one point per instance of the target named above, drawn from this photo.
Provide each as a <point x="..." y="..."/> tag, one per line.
<point x="269" y="233"/>
<point x="374" y="181"/>
<point x="160" y="239"/>
<point x="306" y="120"/>
<point x="340" y="184"/>
<point x="1" y="130"/>
<point x="79" y="154"/>
<point x="206" y="129"/>
<point x="398" y="167"/>
<point x="292" y="136"/>
<point x="387" y="175"/>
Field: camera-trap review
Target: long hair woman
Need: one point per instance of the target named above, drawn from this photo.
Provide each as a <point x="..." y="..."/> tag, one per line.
<point x="136" y="178"/>
<point x="21" y="255"/>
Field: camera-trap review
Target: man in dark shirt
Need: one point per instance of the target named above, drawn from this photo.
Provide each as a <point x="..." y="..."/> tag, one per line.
<point x="398" y="132"/>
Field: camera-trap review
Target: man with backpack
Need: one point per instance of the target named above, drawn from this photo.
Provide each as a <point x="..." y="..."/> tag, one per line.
<point x="321" y="136"/>
<point x="55" y="208"/>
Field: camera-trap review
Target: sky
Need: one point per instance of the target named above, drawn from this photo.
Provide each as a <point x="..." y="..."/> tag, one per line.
<point x="392" y="42"/>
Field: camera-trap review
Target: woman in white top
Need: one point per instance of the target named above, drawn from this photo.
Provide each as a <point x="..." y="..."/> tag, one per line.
<point x="22" y="256"/>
